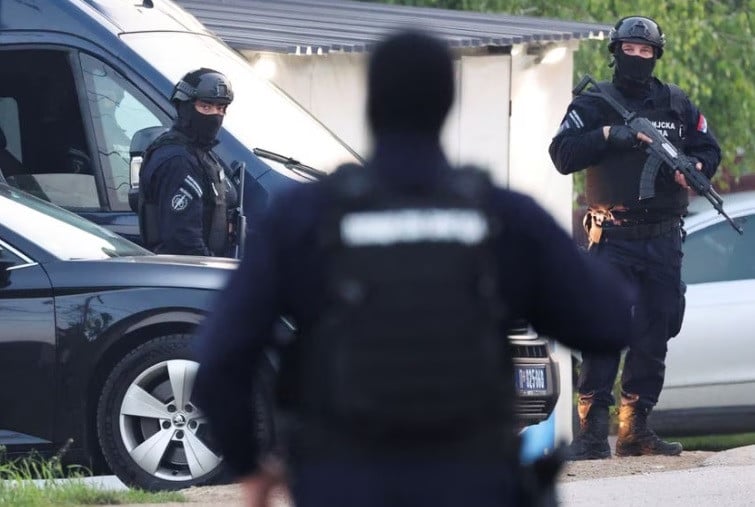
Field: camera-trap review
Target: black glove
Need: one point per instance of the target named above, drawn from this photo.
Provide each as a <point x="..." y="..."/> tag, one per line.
<point x="622" y="137"/>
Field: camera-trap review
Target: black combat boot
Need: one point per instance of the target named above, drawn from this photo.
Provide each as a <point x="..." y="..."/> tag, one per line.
<point x="592" y="440"/>
<point x="635" y="438"/>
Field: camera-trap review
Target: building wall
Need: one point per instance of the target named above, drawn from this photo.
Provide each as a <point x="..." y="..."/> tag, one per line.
<point x="478" y="128"/>
<point x="506" y="112"/>
<point x="540" y="94"/>
<point x="333" y="88"/>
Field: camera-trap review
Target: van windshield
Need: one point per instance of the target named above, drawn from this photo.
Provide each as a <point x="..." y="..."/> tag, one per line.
<point x="261" y="115"/>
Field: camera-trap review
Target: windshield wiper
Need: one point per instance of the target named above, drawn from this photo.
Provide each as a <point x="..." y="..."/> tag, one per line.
<point x="290" y="163"/>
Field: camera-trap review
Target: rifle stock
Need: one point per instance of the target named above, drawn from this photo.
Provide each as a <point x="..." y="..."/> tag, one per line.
<point x="661" y="153"/>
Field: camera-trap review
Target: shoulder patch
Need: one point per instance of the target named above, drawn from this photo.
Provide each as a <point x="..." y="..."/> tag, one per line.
<point x="702" y="124"/>
<point x="180" y="201"/>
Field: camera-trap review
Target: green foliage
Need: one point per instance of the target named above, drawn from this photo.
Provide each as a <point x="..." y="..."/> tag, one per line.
<point x="35" y="482"/>
<point x="710" y="53"/>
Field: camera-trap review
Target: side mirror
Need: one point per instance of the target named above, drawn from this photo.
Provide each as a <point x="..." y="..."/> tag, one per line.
<point x="139" y="144"/>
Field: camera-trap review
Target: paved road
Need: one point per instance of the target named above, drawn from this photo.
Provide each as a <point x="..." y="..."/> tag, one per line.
<point x="727" y="479"/>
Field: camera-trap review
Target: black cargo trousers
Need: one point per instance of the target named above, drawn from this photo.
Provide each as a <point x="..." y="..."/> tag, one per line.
<point x="653" y="266"/>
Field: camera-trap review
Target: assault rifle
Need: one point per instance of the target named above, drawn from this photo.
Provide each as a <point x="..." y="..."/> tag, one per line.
<point x="660" y="153"/>
<point x="239" y="219"/>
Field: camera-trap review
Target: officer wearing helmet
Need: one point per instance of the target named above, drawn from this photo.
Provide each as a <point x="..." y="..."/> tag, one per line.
<point x="641" y="238"/>
<point x="183" y="192"/>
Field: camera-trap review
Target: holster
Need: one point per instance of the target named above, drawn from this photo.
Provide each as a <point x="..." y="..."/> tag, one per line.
<point x="593" y="225"/>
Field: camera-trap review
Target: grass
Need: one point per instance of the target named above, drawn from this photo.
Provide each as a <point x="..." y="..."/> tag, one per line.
<point x="715" y="442"/>
<point x="35" y="482"/>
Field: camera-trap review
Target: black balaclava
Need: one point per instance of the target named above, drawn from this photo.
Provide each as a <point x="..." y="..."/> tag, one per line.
<point x="632" y="71"/>
<point x="410" y="84"/>
<point x="201" y="129"/>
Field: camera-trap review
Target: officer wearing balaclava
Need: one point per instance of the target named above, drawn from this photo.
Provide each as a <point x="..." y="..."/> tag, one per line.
<point x="642" y="238"/>
<point x="183" y="192"/>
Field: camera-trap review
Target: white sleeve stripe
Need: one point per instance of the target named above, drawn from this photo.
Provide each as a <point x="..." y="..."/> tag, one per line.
<point x="185" y="192"/>
<point x="577" y="120"/>
<point x="571" y="115"/>
<point x="194" y="185"/>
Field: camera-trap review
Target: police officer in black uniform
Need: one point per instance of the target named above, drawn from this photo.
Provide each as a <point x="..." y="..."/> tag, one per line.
<point x="378" y="284"/>
<point x="183" y="192"/>
<point x="642" y="238"/>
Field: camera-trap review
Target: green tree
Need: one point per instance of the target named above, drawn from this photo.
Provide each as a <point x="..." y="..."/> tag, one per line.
<point x="710" y="53"/>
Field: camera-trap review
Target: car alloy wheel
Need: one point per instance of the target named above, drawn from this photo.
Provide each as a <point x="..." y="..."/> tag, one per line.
<point x="152" y="434"/>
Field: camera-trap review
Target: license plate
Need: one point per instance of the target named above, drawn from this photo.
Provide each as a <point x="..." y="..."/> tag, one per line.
<point x="530" y="380"/>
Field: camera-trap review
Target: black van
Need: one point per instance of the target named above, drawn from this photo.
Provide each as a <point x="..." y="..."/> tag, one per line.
<point x="78" y="78"/>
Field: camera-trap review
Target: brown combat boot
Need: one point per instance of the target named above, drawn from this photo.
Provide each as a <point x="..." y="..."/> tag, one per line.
<point x="592" y="440"/>
<point x="635" y="438"/>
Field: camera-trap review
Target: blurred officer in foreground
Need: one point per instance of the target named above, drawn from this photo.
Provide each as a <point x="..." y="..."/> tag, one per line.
<point x="402" y="277"/>
<point x="183" y="192"/>
<point x="643" y="239"/>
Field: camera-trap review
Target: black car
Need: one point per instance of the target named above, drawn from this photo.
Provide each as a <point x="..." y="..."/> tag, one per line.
<point x="95" y="337"/>
<point x="95" y="347"/>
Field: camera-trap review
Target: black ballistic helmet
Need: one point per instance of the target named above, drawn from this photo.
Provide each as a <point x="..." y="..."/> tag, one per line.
<point x="637" y="29"/>
<point x="203" y="84"/>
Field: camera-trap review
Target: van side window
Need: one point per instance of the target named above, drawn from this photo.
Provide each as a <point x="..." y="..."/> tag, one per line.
<point x="45" y="150"/>
<point x="118" y="110"/>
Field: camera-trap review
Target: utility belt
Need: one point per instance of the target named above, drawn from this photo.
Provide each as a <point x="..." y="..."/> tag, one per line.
<point x="601" y="224"/>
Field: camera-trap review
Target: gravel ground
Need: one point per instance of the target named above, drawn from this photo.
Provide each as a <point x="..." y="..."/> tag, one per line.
<point x="614" y="467"/>
<point x="230" y="495"/>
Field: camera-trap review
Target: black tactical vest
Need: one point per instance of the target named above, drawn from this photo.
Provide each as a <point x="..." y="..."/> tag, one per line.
<point x="409" y="344"/>
<point x="615" y="180"/>
<point x="215" y="216"/>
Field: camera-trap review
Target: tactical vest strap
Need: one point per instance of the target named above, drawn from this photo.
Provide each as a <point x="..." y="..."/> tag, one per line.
<point x="217" y="218"/>
<point x="676" y="96"/>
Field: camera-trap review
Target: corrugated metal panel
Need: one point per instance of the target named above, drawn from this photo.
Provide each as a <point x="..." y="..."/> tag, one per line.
<point x="322" y="26"/>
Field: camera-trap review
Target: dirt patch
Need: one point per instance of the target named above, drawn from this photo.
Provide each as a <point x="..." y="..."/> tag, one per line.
<point x="212" y="496"/>
<point x="231" y="494"/>
<point x="639" y="465"/>
<point x="227" y="495"/>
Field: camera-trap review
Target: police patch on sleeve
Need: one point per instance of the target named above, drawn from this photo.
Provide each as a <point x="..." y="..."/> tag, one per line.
<point x="180" y="201"/>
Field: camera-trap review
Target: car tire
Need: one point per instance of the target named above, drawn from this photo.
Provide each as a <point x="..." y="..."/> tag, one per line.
<point x="148" y="439"/>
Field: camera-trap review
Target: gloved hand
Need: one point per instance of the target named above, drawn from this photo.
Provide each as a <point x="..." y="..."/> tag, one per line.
<point x="622" y="137"/>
